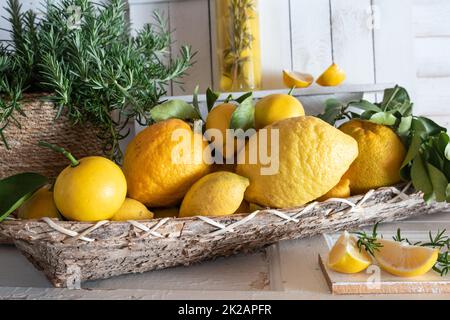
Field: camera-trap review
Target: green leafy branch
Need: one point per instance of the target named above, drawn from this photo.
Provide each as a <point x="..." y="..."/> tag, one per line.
<point x="95" y="71"/>
<point x="427" y="162"/>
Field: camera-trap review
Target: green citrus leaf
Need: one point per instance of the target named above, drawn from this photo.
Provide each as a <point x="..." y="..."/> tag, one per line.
<point x="211" y="98"/>
<point x="177" y="109"/>
<point x="431" y="127"/>
<point x="404" y="126"/>
<point x="15" y="190"/>
<point x="384" y="118"/>
<point x="244" y="97"/>
<point x="331" y="104"/>
<point x="419" y="176"/>
<point x="243" y="116"/>
<point x="439" y="182"/>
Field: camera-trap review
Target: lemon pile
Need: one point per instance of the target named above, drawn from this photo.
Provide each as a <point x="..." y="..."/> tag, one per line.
<point x="166" y="172"/>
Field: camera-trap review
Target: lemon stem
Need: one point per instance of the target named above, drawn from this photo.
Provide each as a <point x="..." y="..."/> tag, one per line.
<point x="291" y="91"/>
<point x="73" y="161"/>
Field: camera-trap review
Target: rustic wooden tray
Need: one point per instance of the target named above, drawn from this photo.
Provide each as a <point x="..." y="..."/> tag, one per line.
<point x="68" y="251"/>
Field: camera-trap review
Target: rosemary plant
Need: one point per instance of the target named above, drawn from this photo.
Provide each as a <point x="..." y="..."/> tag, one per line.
<point x="82" y="53"/>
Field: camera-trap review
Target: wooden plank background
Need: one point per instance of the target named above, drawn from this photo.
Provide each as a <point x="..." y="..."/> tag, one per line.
<point x="375" y="41"/>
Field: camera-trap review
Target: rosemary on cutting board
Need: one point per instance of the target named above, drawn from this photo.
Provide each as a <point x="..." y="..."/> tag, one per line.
<point x="369" y="242"/>
<point x="83" y="55"/>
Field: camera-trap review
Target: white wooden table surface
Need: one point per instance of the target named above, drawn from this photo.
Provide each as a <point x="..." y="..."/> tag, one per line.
<point x="288" y="270"/>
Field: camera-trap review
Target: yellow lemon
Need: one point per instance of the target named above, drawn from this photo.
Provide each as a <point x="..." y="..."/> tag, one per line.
<point x="297" y="79"/>
<point x="219" y="118"/>
<point x="217" y="194"/>
<point x="381" y="154"/>
<point x="40" y="204"/>
<point x="243" y="208"/>
<point x="346" y="257"/>
<point x="341" y="190"/>
<point x="308" y="157"/>
<point x="132" y="210"/>
<point x="163" y="161"/>
<point x="332" y="77"/>
<point x="90" y="191"/>
<point x="404" y="260"/>
<point x="170" y="212"/>
<point x="276" y="107"/>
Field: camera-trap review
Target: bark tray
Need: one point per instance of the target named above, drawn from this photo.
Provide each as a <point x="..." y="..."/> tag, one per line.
<point x="68" y="252"/>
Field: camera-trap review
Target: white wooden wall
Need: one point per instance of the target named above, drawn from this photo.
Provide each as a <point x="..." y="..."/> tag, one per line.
<point x="375" y="41"/>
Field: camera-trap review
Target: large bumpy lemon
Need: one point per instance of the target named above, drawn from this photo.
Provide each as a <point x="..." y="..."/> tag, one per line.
<point x="132" y="210"/>
<point x="404" y="260"/>
<point x="219" y="118"/>
<point x="307" y="158"/>
<point x="217" y="194"/>
<point x="381" y="154"/>
<point x="41" y="204"/>
<point x="311" y="158"/>
<point x="92" y="190"/>
<point x="346" y="257"/>
<point x="276" y="107"/>
<point x="163" y="161"/>
<point x="332" y="77"/>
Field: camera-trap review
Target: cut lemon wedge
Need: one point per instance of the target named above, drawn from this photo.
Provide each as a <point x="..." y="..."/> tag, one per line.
<point x="297" y="79"/>
<point x="404" y="260"/>
<point x="332" y="77"/>
<point x="345" y="256"/>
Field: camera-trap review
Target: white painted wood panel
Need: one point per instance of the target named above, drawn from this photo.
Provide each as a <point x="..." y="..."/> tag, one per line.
<point x="432" y="57"/>
<point x="393" y="48"/>
<point x="433" y="96"/>
<point x="431" y="18"/>
<point x="311" y="36"/>
<point x="352" y="39"/>
<point x="275" y="41"/>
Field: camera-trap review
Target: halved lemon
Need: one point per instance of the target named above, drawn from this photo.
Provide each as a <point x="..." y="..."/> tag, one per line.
<point x="404" y="260"/>
<point x="345" y="256"/>
<point x="297" y="79"/>
<point x="332" y="77"/>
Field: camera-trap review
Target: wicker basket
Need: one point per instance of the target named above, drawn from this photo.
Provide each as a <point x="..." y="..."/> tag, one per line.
<point x="68" y="252"/>
<point x="25" y="155"/>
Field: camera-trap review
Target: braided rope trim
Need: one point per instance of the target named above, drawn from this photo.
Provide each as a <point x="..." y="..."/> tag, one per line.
<point x="222" y="228"/>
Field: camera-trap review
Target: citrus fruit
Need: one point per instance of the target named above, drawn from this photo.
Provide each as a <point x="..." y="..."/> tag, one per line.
<point x="243" y="208"/>
<point x="404" y="260"/>
<point x="163" y="161"/>
<point x="341" y="190"/>
<point x="216" y="194"/>
<point x="40" y="204"/>
<point x="346" y="257"/>
<point x="170" y="212"/>
<point x="297" y="79"/>
<point x="132" y="210"/>
<point x="312" y="156"/>
<point x="275" y="107"/>
<point x="381" y="154"/>
<point x="332" y="77"/>
<point x="219" y="118"/>
<point x="92" y="190"/>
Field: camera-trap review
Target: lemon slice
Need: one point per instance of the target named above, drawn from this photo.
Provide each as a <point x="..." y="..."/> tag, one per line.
<point x="332" y="77"/>
<point x="345" y="256"/>
<point x="404" y="260"/>
<point x="297" y="79"/>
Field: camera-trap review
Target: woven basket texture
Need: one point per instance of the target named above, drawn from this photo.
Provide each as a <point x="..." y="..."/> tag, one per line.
<point x="39" y="124"/>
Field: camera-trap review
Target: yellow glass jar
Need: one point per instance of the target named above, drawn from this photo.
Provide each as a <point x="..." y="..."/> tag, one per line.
<point x="238" y="45"/>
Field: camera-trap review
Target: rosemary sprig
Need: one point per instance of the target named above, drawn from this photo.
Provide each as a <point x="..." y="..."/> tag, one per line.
<point x="95" y="71"/>
<point x="368" y="242"/>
